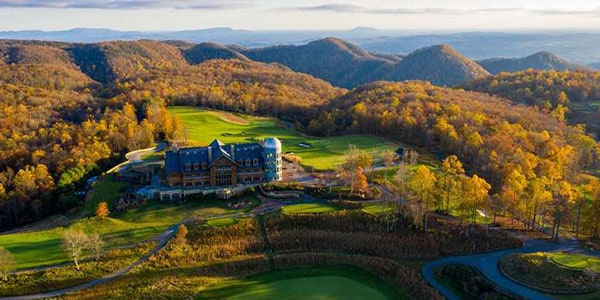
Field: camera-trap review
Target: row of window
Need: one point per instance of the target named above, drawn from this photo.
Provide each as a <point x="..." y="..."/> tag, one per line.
<point x="248" y="162"/>
<point x="222" y="180"/>
<point x="202" y="166"/>
<point x="196" y="166"/>
<point x="189" y="176"/>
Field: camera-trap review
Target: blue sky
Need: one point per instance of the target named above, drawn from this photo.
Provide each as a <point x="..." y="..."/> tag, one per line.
<point x="161" y="15"/>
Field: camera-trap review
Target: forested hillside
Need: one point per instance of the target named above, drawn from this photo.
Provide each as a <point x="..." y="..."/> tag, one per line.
<point x="67" y="110"/>
<point x="537" y="61"/>
<point x="551" y="92"/>
<point x="441" y="65"/>
<point x="347" y="65"/>
<point x="496" y="139"/>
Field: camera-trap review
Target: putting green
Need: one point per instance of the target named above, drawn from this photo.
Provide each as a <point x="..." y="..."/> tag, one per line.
<point x="337" y="282"/>
<point x="318" y="287"/>
<point x="308" y="208"/>
<point x="576" y="261"/>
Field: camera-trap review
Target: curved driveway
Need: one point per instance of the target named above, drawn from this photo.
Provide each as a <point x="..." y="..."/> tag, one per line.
<point x="487" y="264"/>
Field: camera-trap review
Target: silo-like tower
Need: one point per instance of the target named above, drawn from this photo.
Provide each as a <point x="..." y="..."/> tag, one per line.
<point x="272" y="157"/>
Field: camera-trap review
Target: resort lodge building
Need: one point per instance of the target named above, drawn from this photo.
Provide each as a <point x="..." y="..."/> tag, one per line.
<point x="221" y="165"/>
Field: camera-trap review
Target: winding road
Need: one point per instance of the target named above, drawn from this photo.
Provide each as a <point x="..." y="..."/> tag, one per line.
<point x="487" y="264"/>
<point x="135" y="157"/>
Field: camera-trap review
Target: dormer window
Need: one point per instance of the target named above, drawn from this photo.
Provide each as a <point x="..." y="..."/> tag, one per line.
<point x="255" y="162"/>
<point x="240" y="162"/>
<point x="204" y="165"/>
<point x="247" y="162"/>
<point x="188" y="167"/>
<point x="196" y="166"/>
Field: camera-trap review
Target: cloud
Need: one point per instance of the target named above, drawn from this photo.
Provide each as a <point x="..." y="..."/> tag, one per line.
<point x="124" y="4"/>
<point x="351" y="8"/>
<point x="550" y="12"/>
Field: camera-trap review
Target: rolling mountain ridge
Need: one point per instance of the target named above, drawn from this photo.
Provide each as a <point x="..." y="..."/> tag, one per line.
<point x="538" y="61"/>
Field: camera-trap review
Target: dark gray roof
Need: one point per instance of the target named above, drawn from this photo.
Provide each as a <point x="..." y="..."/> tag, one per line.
<point x="176" y="160"/>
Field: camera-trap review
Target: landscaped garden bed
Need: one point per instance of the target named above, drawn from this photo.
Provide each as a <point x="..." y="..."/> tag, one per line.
<point x="541" y="271"/>
<point x="468" y="283"/>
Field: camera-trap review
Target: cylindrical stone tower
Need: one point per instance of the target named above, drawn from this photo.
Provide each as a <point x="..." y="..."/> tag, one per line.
<point x="272" y="157"/>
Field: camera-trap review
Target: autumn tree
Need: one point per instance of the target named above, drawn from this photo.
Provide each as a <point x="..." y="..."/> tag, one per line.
<point x="512" y="193"/>
<point x="422" y="185"/>
<point x="354" y="160"/>
<point x="539" y="196"/>
<point x="474" y="198"/>
<point x="452" y="169"/>
<point x="102" y="210"/>
<point x="7" y="263"/>
<point x="402" y="180"/>
<point x="563" y="198"/>
<point x="591" y="213"/>
<point x="96" y="245"/>
<point x="181" y="235"/>
<point x="360" y="182"/>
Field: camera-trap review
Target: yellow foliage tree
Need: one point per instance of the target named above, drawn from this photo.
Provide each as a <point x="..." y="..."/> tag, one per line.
<point x="360" y="182"/>
<point x="102" y="210"/>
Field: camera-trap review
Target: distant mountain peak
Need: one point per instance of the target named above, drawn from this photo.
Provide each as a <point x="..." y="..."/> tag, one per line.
<point x="440" y="64"/>
<point x="363" y="29"/>
<point x="338" y="44"/>
<point x="542" y="60"/>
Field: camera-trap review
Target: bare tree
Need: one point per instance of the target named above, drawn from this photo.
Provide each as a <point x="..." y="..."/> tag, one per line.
<point x="96" y="245"/>
<point x="388" y="159"/>
<point x="7" y="263"/>
<point x="413" y="156"/>
<point x="75" y="243"/>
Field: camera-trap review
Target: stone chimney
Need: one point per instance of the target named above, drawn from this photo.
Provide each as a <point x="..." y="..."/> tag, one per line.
<point x="209" y="154"/>
<point x="233" y="152"/>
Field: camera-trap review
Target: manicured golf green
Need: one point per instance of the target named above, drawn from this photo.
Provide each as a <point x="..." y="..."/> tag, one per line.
<point x="576" y="261"/>
<point x="377" y="208"/>
<point x="339" y="282"/>
<point x="308" y="208"/>
<point x="203" y="126"/>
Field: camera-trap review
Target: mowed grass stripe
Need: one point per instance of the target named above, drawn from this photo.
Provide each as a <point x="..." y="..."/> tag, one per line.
<point x="308" y="208"/>
<point x="576" y="261"/>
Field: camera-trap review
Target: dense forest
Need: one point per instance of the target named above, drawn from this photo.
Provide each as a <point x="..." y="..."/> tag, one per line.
<point x="69" y="109"/>
<point x="577" y="91"/>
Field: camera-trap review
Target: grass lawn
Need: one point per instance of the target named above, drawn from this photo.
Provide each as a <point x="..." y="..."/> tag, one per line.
<point x="42" y="247"/>
<point x="320" y="153"/>
<point x="308" y="208"/>
<point x="338" y="282"/>
<point x="218" y="222"/>
<point x="576" y="261"/>
<point x="377" y="208"/>
<point x="153" y="156"/>
<point x="105" y="189"/>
